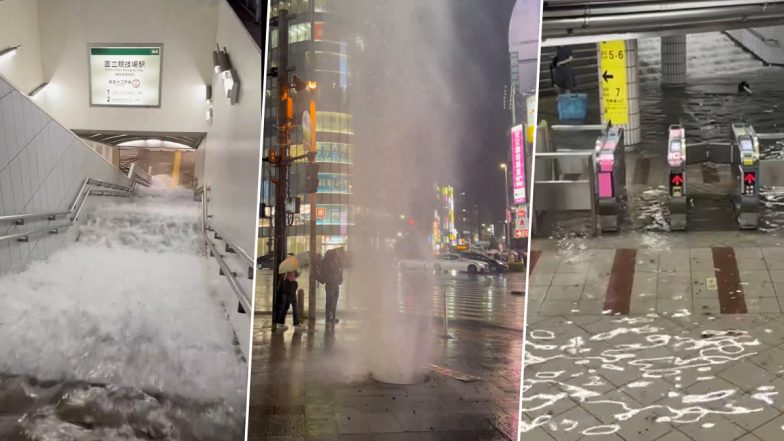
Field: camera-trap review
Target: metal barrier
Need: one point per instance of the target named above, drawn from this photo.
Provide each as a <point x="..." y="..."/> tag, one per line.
<point x="90" y="187"/>
<point x="243" y="297"/>
<point x="566" y="194"/>
<point x="591" y="179"/>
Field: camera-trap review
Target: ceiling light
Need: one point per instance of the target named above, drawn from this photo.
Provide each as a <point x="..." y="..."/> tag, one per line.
<point x="9" y="52"/>
<point x="38" y="89"/>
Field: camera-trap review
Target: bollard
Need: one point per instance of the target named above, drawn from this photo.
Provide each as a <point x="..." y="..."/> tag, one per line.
<point x="445" y="335"/>
<point x="301" y="304"/>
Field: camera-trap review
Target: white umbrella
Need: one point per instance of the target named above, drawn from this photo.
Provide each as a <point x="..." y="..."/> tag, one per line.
<point x="290" y="264"/>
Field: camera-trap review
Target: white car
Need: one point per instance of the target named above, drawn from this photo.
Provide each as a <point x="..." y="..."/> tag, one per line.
<point x="447" y="262"/>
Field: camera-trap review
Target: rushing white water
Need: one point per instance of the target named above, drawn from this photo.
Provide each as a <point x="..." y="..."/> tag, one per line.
<point x="708" y="54"/>
<point x="127" y="304"/>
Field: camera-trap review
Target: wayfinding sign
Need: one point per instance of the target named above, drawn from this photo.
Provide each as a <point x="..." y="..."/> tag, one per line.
<point x="612" y="77"/>
<point x="125" y="75"/>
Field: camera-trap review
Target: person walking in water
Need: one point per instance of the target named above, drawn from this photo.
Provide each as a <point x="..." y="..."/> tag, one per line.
<point x="331" y="272"/>
<point x="287" y="297"/>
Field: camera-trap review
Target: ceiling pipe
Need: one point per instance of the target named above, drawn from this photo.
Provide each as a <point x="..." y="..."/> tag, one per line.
<point x="660" y="29"/>
<point x="603" y="7"/>
<point x="592" y="19"/>
<point x="732" y="17"/>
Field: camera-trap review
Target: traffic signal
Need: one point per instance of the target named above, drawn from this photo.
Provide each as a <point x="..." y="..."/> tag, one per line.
<point x="311" y="178"/>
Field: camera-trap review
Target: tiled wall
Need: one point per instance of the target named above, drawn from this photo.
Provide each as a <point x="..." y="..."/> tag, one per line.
<point x="42" y="167"/>
<point x="767" y="43"/>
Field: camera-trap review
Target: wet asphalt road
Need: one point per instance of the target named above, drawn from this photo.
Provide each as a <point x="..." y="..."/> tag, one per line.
<point x="306" y="385"/>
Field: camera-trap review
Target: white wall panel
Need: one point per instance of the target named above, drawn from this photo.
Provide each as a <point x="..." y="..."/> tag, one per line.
<point x="19" y="26"/>
<point x="42" y="167"/>
<point x="233" y="146"/>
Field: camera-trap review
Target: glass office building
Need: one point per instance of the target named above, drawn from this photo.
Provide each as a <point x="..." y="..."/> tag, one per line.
<point x="317" y="52"/>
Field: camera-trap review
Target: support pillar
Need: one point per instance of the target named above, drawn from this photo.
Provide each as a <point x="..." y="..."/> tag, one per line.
<point x="673" y="60"/>
<point x="631" y="135"/>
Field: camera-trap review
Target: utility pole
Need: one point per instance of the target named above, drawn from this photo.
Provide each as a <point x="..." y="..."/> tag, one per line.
<point x="281" y="155"/>
<point x="507" y="213"/>
<point x="313" y="261"/>
<point x="281" y="160"/>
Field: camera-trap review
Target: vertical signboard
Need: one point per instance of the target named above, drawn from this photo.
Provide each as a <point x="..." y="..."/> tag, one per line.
<point x="531" y="120"/>
<point x="125" y="75"/>
<point x="518" y="165"/>
<point x="612" y="77"/>
<point x="521" y="222"/>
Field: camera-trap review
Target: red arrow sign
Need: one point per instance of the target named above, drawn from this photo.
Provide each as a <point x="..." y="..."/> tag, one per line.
<point x="750" y="178"/>
<point x="677" y="179"/>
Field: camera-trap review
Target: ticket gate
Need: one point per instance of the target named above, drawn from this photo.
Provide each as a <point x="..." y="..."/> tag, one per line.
<point x="610" y="178"/>
<point x="741" y="153"/>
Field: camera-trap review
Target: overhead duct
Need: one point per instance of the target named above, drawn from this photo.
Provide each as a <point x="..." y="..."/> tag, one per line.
<point x="568" y="18"/>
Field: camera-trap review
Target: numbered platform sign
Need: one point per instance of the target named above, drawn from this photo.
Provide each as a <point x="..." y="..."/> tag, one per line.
<point x="612" y="76"/>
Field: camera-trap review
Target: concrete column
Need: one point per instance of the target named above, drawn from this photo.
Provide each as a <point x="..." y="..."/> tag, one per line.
<point x="673" y="60"/>
<point x="631" y="134"/>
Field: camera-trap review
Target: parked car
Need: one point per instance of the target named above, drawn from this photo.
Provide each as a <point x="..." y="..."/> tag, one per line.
<point x="266" y="261"/>
<point x="447" y="262"/>
<point x="495" y="265"/>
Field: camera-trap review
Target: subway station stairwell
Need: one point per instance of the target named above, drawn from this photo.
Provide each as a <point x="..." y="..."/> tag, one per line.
<point x="111" y="303"/>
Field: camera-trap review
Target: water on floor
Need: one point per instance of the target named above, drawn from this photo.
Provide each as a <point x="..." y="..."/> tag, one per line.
<point x="706" y="107"/>
<point x="118" y="336"/>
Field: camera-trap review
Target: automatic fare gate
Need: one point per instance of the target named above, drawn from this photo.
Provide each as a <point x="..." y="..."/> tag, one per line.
<point x="742" y="154"/>
<point x="582" y="180"/>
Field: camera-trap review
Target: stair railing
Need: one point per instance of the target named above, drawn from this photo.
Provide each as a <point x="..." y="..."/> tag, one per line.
<point x="202" y="193"/>
<point x="90" y="187"/>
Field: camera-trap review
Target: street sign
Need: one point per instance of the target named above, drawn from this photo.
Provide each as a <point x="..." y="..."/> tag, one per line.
<point x="612" y="77"/>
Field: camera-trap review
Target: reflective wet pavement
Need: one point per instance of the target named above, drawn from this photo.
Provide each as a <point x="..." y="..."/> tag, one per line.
<point x="308" y="385"/>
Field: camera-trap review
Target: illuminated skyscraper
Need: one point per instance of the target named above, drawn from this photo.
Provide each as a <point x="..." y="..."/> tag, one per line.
<point x="317" y="52"/>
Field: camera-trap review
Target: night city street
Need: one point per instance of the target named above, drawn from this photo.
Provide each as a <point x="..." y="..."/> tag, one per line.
<point x="303" y="387"/>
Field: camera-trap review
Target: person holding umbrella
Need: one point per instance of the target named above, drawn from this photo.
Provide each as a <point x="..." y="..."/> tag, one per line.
<point x="287" y="292"/>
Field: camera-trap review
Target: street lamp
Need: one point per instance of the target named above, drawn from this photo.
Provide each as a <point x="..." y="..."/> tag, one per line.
<point x="506" y="214"/>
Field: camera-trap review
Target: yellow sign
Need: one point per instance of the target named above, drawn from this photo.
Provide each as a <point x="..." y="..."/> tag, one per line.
<point x="612" y="76"/>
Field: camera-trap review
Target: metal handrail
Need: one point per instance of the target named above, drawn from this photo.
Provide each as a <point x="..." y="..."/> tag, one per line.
<point x="139" y="176"/>
<point x="231" y="276"/>
<point x="136" y="176"/>
<point x="74" y="210"/>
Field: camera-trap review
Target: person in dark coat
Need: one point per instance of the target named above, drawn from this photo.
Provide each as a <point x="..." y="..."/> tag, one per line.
<point x="287" y="297"/>
<point x="561" y="70"/>
<point x="331" y="272"/>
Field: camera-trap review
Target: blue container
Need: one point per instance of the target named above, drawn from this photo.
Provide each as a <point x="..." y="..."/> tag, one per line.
<point x="572" y="106"/>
